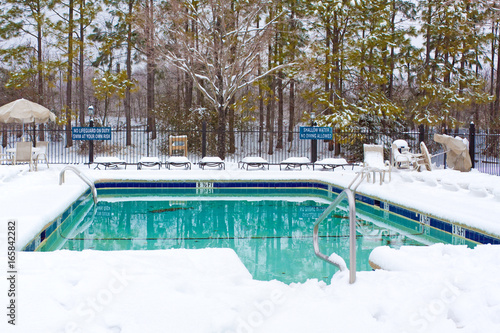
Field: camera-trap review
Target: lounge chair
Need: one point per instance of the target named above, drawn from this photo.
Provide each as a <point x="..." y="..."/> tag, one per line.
<point x="148" y="162"/>
<point x="332" y="163"/>
<point x="24" y="154"/>
<point x="212" y="161"/>
<point x="109" y="162"/>
<point x="295" y="162"/>
<point x="253" y="161"/>
<point x="178" y="161"/>
<point x="41" y="154"/>
<point x="374" y="162"/>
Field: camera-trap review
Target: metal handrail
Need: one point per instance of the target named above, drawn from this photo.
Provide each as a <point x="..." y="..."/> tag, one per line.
<point x="335" y="259"/>
<point x="82" y="177"/>
<point x="364" y="173"/>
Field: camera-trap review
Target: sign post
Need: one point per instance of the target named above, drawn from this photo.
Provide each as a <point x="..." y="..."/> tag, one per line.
<point x="91" y="143"/>
<point x="314" y="150"/>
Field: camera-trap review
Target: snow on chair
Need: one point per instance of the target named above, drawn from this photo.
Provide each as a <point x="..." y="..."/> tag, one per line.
<point x="374" y="162"/>
<point x="403" y="160"/>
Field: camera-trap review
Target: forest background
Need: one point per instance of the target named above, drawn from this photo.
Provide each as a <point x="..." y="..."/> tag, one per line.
<point x="376" y="64"/>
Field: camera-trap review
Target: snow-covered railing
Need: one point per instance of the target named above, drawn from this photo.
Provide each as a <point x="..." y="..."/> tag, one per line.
<point x="334" y="258"/>
<point x="82" y="177"/>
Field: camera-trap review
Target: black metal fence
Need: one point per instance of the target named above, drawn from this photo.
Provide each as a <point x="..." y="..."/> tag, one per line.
<point x="241" y="143"/>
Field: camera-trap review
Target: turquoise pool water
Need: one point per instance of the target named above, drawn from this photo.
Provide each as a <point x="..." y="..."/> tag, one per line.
<point x="271" y="235"/>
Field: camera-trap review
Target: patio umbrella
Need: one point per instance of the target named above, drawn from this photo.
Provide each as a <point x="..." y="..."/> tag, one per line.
<point x="457" y="150"/>
<point x="23" y="111"/>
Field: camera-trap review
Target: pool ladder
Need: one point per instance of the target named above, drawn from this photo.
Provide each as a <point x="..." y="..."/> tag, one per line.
<point x="82" y="177"/>
<point x="335" y="259"/>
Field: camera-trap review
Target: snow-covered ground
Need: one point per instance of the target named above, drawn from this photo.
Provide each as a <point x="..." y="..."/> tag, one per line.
<point x="441" y="288"/>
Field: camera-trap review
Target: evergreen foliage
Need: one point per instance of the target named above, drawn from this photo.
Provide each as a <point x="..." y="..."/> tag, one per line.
<point x="381" y="65"/>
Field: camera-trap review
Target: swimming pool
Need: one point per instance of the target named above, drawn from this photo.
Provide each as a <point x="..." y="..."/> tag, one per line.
<point x="272" y="236"/>
<point x="269" y="225"/>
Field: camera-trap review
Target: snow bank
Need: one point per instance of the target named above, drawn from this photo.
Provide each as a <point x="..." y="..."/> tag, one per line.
<point x="440" y="288"/>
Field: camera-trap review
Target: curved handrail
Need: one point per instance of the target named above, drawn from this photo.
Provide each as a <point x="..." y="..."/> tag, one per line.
<point x="335" y="259"/>
<point x="364" y="173"/>
<point x="82" y="177"/>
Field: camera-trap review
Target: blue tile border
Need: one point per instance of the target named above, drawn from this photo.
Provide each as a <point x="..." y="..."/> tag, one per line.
<point x="250" y="187"/>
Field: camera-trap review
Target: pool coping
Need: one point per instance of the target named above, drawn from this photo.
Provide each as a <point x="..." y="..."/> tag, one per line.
<point x="205" y="186"/>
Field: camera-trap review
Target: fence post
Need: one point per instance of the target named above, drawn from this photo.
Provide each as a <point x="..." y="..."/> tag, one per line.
<point x="147" y="142"/>
<point x="472" y="142"/>
<point x="204" y="139"/>
<point x="4" y="136"/>
<point x="421" y="134"/>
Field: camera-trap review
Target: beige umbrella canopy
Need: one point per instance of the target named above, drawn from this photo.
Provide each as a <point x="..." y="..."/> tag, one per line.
<point x="24" y="111"/>
<point x="457" y="157"/>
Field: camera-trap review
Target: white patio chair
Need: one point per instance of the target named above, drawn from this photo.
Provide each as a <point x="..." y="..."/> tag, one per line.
<point x="402" y="160"/>
<point x="24" y="154"/>
<point x="374" y="162"/>
<point x="41" y="154"/>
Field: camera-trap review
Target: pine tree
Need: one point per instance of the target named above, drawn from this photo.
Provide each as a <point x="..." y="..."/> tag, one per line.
<point x="18" y="20"/>
<point x="448" y="82"/>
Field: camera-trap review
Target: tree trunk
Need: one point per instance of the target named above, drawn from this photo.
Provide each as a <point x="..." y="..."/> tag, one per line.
<point x="497" y="87"/>
<point x="279" y="143"/>
<point x="128" y="115"/>
<point x="327" y="60"/>
<point x="81" y="93"/>
<point x="261" y="96"/>
<point x="428" y="34"/>
<point x="270" y="116"/>
<point x="41" y="101"/>
<point x="232" y="141"/>
<point x="221" y="133"/>
<point x="221" y="108"/>
<point x="492" y="73"/>
<point x="178" y="96"/>
<point x="151" y="69"/>
<point x="391" y="72"/>
<point x="188" y="93"/>
<point x="291" y="107"/>
<point x="69" y="141"/>
<point x="291" y="99"/>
